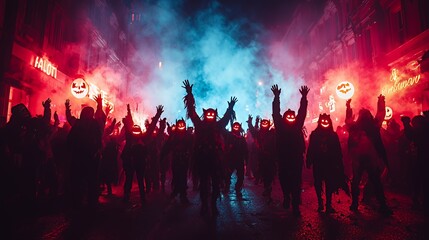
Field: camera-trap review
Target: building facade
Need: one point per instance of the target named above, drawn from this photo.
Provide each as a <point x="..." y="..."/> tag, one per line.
<point x="46" y="45"/>
<point x="385" y="40"/>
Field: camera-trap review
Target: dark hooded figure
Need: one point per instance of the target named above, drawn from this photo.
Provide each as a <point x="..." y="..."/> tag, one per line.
<point x="18" y="172"/>
<point x="290" y="147"/>
<point x="179" y="144"/>
<point x="265" y="140"/>
<point x="417" y="130"/>
<point x="236" y="155"/>
<point x="325" y="155"/>
<point x="135" y="152"/>
<point x="84" y="142"/>
<point x="367" y="151"/>
<point x="208" y="147"/>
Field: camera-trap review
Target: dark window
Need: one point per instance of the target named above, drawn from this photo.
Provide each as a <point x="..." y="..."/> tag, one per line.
<point x="424" y="14"/>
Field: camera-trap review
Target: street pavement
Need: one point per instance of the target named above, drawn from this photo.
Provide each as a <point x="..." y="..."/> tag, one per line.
<point x="252" y="217"/>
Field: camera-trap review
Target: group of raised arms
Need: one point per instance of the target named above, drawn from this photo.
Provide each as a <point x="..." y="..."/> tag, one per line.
<point x="80" y="159"/>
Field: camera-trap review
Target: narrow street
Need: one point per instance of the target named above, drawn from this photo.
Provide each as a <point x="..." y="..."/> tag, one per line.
<point x="249" y="218"/>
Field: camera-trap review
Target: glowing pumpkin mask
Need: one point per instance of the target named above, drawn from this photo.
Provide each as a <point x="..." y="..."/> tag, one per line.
<point x="265" y="123"/>
<point x="181" y="125"/>
<point x="136" y="130"/>
<point x="325" y="120"/>
<point x="79" y="88"/>
<point x="389" y="113"/>
<point x="289" y="116"/>
<point x="210" y="114"/>
<point x="345" y="90"/>
<point x="236" y="127"/>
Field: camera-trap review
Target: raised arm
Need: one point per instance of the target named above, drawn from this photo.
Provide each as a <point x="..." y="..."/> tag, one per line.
<point x="190" y="103"/>
<point x="277" y="117"/>
<point x="152" y="125"/>
<point x="228" y="114"/>
<point x="47" y="111"/>
<point x="70" y="119"/>
<point x="381" y="110"/>
<point x="349" y="114"/>
<point x="99" y="115"/>
<point x="302" y="111"/>
<point x="252" y="129"/>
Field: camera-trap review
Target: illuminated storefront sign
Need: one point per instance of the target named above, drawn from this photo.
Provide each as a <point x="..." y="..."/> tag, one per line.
<point x="45" y="66"/>
<point x="399" y="83"/>
<point x="345" y="90"/>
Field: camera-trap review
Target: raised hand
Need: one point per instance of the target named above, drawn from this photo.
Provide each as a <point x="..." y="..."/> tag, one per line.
<point x="276" y="90"/>
<point x="257" y="119"/>
<point x="249" y="119"/>
<point x="159" y="109"/>
<point x="232" y="102"/>
<point x="187" y="86"/>
<point x="381" y="97"/>
<point x="47" y="103"/>
<point x="348" y="103"/>
<point x="118" y="124"/>
<point x="108" y="109"/>
<point x="67" y="104"/>
<point x="304" y="91"/>
<point x="128" y="109"/>
<point x="98" y="99"/>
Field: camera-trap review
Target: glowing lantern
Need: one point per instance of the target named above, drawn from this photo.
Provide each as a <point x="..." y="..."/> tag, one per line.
<point x="389" y="113"/>
<point x="79" y="88"/>
<point x="345" y="90"/>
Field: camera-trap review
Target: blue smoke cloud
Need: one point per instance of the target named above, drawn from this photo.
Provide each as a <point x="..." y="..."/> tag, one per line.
<point x="221" y="56"/>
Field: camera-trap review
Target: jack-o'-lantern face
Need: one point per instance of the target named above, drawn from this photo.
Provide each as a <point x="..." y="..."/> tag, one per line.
<point x="181" y="125"/>
<point x="136" y="130"/>
<point x="325" y="121"/>
<point x="389" y="113"/>
<point x="289" y="116"/>
<point x="345" y="90"/>
<point x="236" y="127"/>
<point x="265" y="123"/>
<point x="79" y="88"/>
<point x="210" y="114"/>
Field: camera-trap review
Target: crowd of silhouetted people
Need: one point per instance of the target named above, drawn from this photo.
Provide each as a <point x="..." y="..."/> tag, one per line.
<point x="80" y="159"/>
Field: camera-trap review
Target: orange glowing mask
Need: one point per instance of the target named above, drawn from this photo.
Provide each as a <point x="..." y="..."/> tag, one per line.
<point x="325" y="120"/>
<point x="136" y="130"/>
<point x="265" y="123"/>
<point x="181" y="125"/>
<point x="236" y="127"/>
<point x="210" y="114"/>
<point x="324" y="123"/>
<point x="289" y="116"/>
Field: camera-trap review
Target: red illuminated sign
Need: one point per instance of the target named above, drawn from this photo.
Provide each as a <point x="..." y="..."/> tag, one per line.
<point x="45" y="66"/>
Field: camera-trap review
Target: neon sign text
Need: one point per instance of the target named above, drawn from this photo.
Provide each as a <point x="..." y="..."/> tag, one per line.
<point x="398" y="83"/>
<point x="45" y="66"/>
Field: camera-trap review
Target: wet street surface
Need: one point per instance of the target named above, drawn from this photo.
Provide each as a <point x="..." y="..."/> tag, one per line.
<point x="252" y="217"/>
